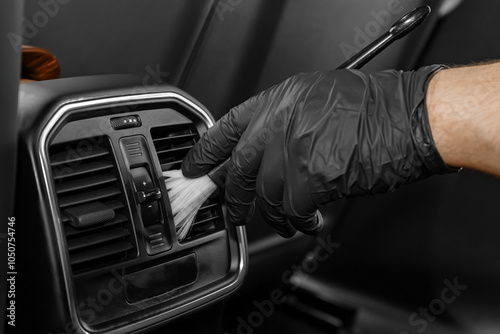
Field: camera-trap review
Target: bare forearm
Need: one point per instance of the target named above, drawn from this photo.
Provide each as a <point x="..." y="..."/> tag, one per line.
<point x="464" y="113"/>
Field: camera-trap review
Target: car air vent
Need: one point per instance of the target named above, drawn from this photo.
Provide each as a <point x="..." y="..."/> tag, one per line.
<point x="91" y="203"/>
<point x="172" y="143"/>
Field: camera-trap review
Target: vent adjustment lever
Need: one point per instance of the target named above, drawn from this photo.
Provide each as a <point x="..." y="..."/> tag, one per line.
<point x="147" y="196"/>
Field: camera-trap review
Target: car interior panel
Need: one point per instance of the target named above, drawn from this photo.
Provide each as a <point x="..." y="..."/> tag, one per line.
<point x="131" y="86"/>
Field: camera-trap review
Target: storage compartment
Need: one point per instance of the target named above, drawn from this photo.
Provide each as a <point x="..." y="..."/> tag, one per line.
<point x="160" y="279"/>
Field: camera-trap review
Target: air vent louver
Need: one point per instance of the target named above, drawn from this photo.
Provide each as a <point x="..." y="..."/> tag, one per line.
<point x="172" y="143"/>
<point x="91" y="203"/>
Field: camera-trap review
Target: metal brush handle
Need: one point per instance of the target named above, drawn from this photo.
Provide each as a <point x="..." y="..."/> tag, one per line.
<point x="398" y="30"/>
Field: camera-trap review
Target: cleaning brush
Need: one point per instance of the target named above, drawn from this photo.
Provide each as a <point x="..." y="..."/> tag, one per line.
<point x="187" y="195"/>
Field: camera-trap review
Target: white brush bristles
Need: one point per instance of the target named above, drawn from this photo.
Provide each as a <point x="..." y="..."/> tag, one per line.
<point x="186" y="197"/>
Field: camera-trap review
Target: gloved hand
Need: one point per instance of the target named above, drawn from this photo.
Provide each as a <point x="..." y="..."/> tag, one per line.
<point x="319" y="137"/>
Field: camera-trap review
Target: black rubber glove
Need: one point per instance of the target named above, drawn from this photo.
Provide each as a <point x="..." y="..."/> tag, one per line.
<point x="319" y="137"/>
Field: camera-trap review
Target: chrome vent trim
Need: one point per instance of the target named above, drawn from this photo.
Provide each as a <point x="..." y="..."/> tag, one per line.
<point x="45" y="180"/>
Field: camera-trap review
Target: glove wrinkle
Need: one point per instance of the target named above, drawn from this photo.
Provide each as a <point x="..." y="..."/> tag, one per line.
<point x="421" y="131"/>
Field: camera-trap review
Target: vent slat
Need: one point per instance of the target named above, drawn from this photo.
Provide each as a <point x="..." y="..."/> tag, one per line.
<point x="115" y="205"/>
<point x="72" y="232"/>
<point x="204" y="221"/>
<point x="100" y="252"/>
<point x="67" y="157"/>
<point x="88" y="196"/>
<point x="87" y="182"/>
<point x="209" y="206"/>
<point x="174" y="138"/>
<point x="176" y="150"/>
<point x="91" y="167"/>
<point x="92" y="240"/>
